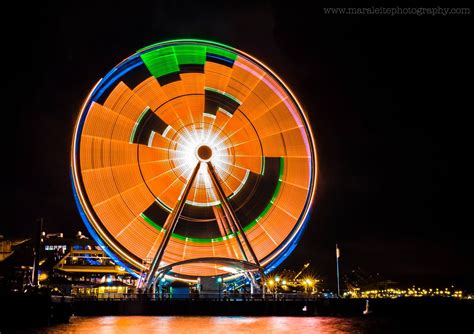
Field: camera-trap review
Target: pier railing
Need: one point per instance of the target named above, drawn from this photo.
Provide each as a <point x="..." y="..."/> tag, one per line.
<point x="195" y="296"/>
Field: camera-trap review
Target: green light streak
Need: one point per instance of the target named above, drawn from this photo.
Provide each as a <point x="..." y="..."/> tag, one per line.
<point x="270" y="204"/>
<point x="166" y="59"/>
<point x="152" y="223"/>
<point x="190" y="54"/>
<point x="132" y="136"/>
<point x="161" y="61"/>
<point x="185" y="40"/>
<point x="182" y="237"/>
<point x="221" y="52"/>
<point x="231" y="235"/>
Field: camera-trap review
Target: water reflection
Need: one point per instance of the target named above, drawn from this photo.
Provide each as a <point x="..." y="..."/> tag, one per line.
<point x="208" y="325"/>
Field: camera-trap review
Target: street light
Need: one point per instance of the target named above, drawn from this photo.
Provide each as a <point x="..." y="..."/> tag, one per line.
<point x="271" y="283"/>
<point x="309" y="282"/>
<point x="277" y="280"/>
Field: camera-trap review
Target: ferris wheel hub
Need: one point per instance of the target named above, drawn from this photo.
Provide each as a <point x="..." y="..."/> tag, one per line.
<point x="204" y="153"/>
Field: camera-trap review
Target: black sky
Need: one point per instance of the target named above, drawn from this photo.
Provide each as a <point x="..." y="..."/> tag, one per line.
<point x="389" y="100"/>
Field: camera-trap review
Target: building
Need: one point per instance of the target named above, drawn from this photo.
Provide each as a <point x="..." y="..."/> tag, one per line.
<point x="75" y="266"/>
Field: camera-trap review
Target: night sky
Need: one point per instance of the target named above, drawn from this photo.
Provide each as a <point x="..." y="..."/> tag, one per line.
<point x="387" y="98"/>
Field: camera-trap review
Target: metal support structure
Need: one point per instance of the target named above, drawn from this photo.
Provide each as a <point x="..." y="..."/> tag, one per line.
<point x="253" y="281"/>
<point x="37" y="251"/>
<point x="230" y="220"/>
<point x="233" y="218"/>
<point x="221" y="217"/>
<point x="337" y="272"/>
<point x="306" y="265"/>
<point x="233" y="229"/>
<point x="170" y="225"/>
<point x="228" y="208"/>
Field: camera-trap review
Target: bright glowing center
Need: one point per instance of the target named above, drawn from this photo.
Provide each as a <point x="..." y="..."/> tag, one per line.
<point x="204" y="153"/>
<point x="203" y="142"/>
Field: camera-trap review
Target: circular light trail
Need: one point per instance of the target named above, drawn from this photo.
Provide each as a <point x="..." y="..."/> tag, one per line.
<point x="147" y="124"/>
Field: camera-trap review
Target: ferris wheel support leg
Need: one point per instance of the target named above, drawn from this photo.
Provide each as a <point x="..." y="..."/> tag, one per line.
<point x="253" y="282"/>
<point x="232" y="216"/>
<point x="228" y="222"/>
<point x="226" y="226"/>
<point x="233" y="229"/>
<point x="173" y="218"/>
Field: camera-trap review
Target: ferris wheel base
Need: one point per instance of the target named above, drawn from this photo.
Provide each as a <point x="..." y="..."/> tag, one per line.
<point x="237" y="268"/>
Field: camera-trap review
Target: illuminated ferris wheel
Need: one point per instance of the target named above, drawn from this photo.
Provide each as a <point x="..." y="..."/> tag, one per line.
<point x="191" y="158"/>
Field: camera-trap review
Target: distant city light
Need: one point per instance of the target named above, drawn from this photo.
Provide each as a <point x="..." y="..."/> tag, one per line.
<point x="397" y="293"/>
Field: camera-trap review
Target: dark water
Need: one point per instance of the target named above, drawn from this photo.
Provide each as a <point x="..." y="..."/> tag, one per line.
<point x="209" y="325"/>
